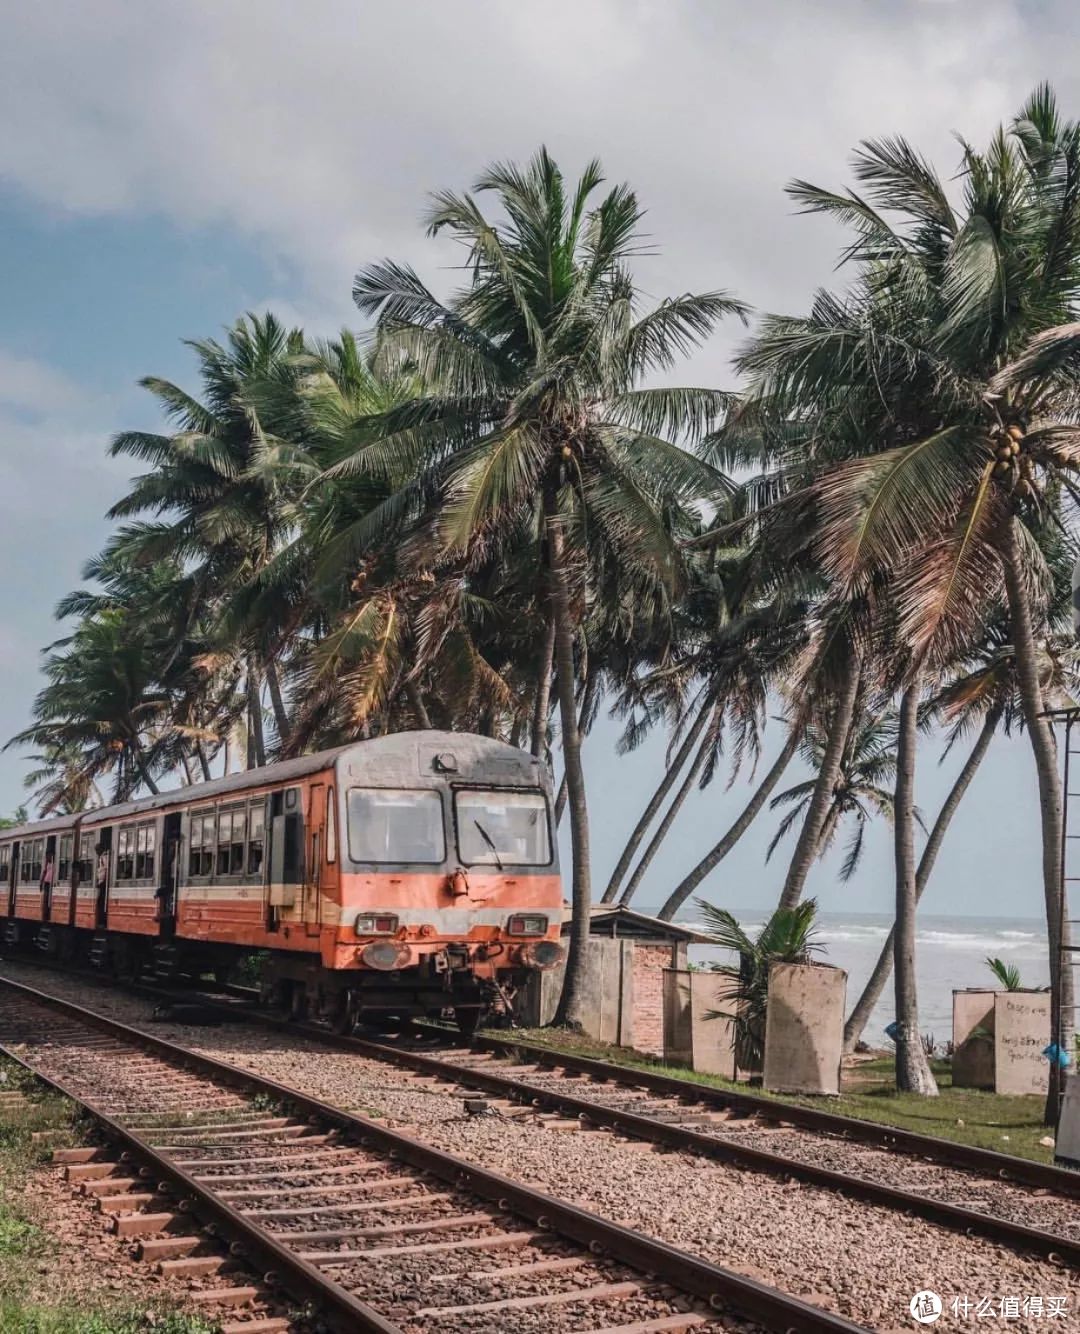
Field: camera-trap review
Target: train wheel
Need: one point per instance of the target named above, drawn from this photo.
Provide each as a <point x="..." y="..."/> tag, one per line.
<point x="342" y="1016"/>
<point x="298" y="1003"/>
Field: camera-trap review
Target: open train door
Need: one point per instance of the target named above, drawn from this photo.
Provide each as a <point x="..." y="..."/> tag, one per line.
<point x="12" y="881"/>
<point x="313" y="874"/>
<point x="286" y="860"/>
<point x="169" y="885"/>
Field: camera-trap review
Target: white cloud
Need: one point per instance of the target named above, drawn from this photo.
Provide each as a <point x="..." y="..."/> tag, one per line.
<point x="317" y="131"/>
<point x="30" y="386"/>
<point x="56" y="484"/>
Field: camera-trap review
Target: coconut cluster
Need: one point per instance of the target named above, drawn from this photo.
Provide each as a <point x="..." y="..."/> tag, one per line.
<point x="1012" y="468"/>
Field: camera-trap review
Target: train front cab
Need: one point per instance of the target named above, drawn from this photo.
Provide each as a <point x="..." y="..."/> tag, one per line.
<point x="448" y="872"/>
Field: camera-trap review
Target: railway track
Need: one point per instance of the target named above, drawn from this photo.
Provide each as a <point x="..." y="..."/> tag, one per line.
<point x="740" y="1110"/>
<point x="369" y="1227"/>
<point x="903" y="1171"/>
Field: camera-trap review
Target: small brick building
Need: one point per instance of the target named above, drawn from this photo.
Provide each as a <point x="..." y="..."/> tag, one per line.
<point x="624" y="994"/>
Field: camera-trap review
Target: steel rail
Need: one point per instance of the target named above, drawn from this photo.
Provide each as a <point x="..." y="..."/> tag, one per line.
<point x="956" y="1217"/>
<point x="949" y="1153"/>
<point x="257" y="1247"/>
<point x="988" y="1162"/>
<point x="721" y="1287"/>
<point x="970" y="1221"/>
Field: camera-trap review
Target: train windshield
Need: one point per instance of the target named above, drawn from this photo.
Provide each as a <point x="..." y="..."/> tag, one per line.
<point x="396" y="825"/>
<point x="502" y="828"/>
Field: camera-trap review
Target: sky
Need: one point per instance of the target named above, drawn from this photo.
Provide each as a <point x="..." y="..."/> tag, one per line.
<point x="172" y="164"/>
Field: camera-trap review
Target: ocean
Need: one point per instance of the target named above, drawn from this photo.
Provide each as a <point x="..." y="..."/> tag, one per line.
<point x="950" y="955"/>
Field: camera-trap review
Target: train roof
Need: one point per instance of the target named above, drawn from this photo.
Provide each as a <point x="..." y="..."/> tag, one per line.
<point x="397" y="751"/>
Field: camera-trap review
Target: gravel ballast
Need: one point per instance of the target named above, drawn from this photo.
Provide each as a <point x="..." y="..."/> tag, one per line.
<point x="861" y="1260"/>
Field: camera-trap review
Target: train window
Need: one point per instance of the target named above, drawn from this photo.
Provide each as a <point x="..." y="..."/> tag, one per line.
<point x="125" y="852"/>
<point x="394" y="825"/>
<point x="230" y="843"/>
<point x="256" y="838"/>
<point x="31" y="856"/>
<point x="505" y="827"/>
<point x="84" y="866"/>
<point x="145" y="850"/>
<point x="331" y="827"/>
<point x="201" y="844"/>
<point x="5" y="864"/>
<point x="63" y="862"/>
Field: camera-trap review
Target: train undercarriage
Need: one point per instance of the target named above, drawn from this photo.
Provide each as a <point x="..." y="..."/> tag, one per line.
<point x="294" y="985"/>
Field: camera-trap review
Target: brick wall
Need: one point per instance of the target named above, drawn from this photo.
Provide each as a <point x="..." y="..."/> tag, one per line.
<point x="648" y="1023"/>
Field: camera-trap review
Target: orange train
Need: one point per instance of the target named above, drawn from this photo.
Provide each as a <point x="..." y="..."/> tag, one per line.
<point x="408" y="875"/>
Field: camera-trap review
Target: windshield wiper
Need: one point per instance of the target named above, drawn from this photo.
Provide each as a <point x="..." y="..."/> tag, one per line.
<point x="488" y="840"/>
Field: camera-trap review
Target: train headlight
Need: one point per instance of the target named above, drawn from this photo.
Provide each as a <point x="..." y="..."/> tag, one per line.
<point x="376" y="924"/>
<point x="385" y="956"/>
<point x="542" y="954"/>
<point x="527" y="924"/>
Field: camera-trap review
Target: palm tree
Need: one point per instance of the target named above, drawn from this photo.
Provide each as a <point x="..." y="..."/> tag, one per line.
<point x="868" y="761"/>
<point x="964" y="326"/>
<point x="875" y="985"/>
<point x="101" y="710"/>
<point x="533" y="419"/>
<point x="913" y="1073"/>
<point x="980" y="697"/>
<point x="740" y="627"/>
<point x="789" y="936"/>
<point x="221" y="488"/>
<point x="1007" y="975"/>
<point x="739" y="826"/>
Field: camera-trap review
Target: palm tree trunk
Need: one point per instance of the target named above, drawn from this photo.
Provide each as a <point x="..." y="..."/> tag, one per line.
<point x="186" y="763"/>
<point x="713" y="858"/>
<point x="913" y="1073"/>
<point x="277" y="703"/>
<point x="560" y="802"/>
<point x="1050" y="798"/>
<point x="419" y="708"/>
<point x="672" y="811"/>
<point x="140" y="764"/>
<point x="588" y="695"/>
<point x="871" y="993"/>
<point x="204" y="763"/>
<point x="569" y="1001"/>
<point x="256" y="747"/>
<point x="542" y="698"/>
<point x="806" y="849"/>
<point x="655" y="802"/>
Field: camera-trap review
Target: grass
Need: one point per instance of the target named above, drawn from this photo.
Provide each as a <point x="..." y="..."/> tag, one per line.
<point x="1004" y="1123"/>
<point x="18" y="1318"/>
<point x="27" y="1249"/>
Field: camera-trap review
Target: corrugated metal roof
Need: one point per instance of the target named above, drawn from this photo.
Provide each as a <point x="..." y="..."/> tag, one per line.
<point x="609" y="916"/>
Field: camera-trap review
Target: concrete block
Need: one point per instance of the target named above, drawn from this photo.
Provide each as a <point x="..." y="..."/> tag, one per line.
<point x="712" y="1041"/>
<point x="605" y="1002"/>
<point x="1021" y="1032"/>
<point x="1067" y="1148"/>
<point x="973" y="1057"/>
<point x="678" y="1043"/>
<point x="804" y="1028"/>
